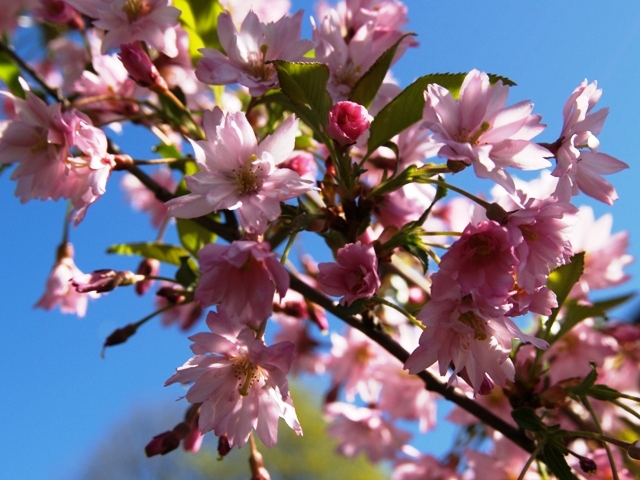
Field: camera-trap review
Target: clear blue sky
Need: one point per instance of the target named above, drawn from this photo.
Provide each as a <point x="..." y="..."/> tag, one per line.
<point x="59" y="397"/>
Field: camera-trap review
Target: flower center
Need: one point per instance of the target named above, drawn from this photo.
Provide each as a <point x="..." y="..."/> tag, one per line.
<point x="257" y="66"/>
<point x="135" y="9"/>
<point x="246" y="374"/>
<point x="249" y="177"/>
<point x="465" y="136"/>
<point x="528" y="233"/>
<point x="472" y="320"/>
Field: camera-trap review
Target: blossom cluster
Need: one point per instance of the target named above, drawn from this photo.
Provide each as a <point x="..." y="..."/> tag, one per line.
<point x="481" y="299"/>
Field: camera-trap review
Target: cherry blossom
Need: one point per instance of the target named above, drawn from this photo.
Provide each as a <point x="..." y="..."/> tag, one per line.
<point x="348" y="121"/>
<point x="242" y="277"/>
<point x="143" y="199"/>
<point x="240" y="381"/>
<point x="479" y="130"/>
<point x="579" y="165"/>
<point x="355" y="275"/>
<point x="249" y="50"/>
<point x="239" y="174"/>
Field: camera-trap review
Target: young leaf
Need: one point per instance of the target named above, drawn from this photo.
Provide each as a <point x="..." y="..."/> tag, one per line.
<point x="306" y="84"/>
<point x="165" y="253"/>
<point x="9" y="74"/>
<point x="187" y="274"/>
<point x="365" y="89"/>
<point x="200" y="21"/>
<point x="527" y="419"/>
<point x="192" y="236"/>
<point x="554" y="458"/>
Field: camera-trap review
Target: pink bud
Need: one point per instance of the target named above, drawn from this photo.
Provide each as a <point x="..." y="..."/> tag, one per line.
<point x="347" y="122"/>
<point x="149" y="267"/>
<point x="162" y="444"/>
<point x="140" y="67"/>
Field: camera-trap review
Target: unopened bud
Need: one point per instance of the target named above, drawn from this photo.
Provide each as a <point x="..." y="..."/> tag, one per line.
<point x="347" y="122"/>
<point x="634" y="450"/>
<point x="120" y="335"/>
<point x="162" y="444"/>
<point x="223" y="446"/>
<point x="149" y="267"/>
<point x="456" y="166"/>
<point x="258" y="470"/>
<point x="498" y="214"/>
<point x="141" y="68"/>
<point x="587" y="465"/>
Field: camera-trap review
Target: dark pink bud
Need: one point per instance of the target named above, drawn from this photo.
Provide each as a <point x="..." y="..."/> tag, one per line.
<point x="193" y="440"/>
<point x="98" y="281"/>
<point x="60" y="13"/>
<point x="140" y="67"/>
<point x="162" y="444"/>
<point x="149" y="267"/>
<point x="587" y="465"/>
<point x="347" y="122"/>
<point x="223" y="446"/>
<point x="303" y="163"/>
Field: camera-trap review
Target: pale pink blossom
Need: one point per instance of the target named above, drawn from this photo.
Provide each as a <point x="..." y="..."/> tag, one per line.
<point x="143" y="199"/>
<point x="579" y="166"/>
<point x="354" y="276"/>
<point x="127" y="21"/>
<point x="482" y="261"/>
<point x="59" y="12"/>
<point x="352" y="362"/>
<point x="184" y="313"/>
<point x="352" y="36"/>
<point x="266" y="10"/>
<point x="425" y="467"/>
<point x="347" y="122"/>
<point x="360" y="429"/>
<point x="243" y="278"/>
<point x="237" y="173"/>
<point x="605" y="254"/>
<point x="10" y="11"/>
<point x="241" y="382"/>
<point x="68" y="59"/>
<point x="307" y="355"/>
<point x="59" y="292"/>
<point x="467" y="333"/>
<point x="249" y="50"/>
<point x="479" y="130"/>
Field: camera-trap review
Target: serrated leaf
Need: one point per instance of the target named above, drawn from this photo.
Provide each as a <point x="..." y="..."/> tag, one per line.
<point x="406" y="108"/>
<point x="193" y="236"/>
<point x="420" y="254"/>
<point x="562" y="279"/>
<point x="554" y="458"/>
<point x="306" y="84"/>
<point x="303" y="112"/>
<point x="527" y="419"/>
<point x="187" y="273"/>
<point x="165" y="253"/>
<point x="365" y="89"/>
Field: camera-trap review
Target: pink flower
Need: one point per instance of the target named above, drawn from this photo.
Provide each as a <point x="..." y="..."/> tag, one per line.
<point x="478" y="130"/>
<point x="59" y="12"/>
<point x="243" y="278"/>
<point x="143" y="199"/>
<point x="355" y="275"/>
<point x="241" y="382"/>
<point x="127" y="21"/>
<point x="579" y="165"/>
<point x="249" y="50"/>
<point x="239" y="174"/>
<point x="360" y="429"/>
<point x="183" y="314"/>
<point x="605" y="254"/>
<point x="348" y="121"/>
<point x="468" y="333"/>
<point x="140" y="67"/>
<point x="59" y="291"/>
<point x="482" y="261"/>
<point x="425" y="467"/>
<point x="266" y="10"/>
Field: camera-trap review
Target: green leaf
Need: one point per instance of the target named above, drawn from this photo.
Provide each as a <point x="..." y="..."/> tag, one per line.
<point x="406" y="109"/>
<point x="602" y="392"/>
<point x="200" y="21"/>
<point x="165" y="253"/>
<point x="527" y="419"/>
<point x="554" y="458"/>
<point x="420" y="253"/>
<point x="563" y="278"/>
<point x="9" y="74"/>
<point x="365" y="89"/>
<point x="4" y="166"/>
<point x="586" y="384"/>
<point x="306" y="84"/>
<point x="193" y="236"/>
<point x="187" y="273"/>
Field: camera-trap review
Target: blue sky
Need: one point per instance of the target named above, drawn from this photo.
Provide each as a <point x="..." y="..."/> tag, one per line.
<point x="59" y="397"/>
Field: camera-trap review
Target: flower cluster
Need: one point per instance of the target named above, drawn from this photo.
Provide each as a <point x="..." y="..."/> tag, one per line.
<point x="264" y="139"/>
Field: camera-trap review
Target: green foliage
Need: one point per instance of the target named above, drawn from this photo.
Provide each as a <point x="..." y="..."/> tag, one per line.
<point x="187" y="274"/>
<point x="527" y="419"/>
<point x="193" y="236"/>
<point x="165" y="253"/>
<point x="305" y="87"/>
<point x="309" y="457"/>
<point x="200" y="21"/>
<point x="406" y="109"/>
<point x="9" y="74"/>
<point x="554" y="458"/>
<point x="364" y="91"/>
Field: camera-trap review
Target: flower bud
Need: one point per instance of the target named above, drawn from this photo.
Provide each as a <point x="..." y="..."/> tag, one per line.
<point x="162" y="444"/>
<point x="140" y="67"/>
<point x="587" y="465"/>
<point x="634" y="450"/>
<point x="149" y="267"/>
<point x="223" y="446"/>
<point x="347" y="122"/>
